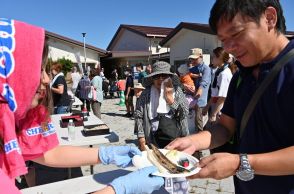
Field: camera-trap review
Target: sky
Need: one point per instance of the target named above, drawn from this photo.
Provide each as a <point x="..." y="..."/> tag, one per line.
<point x="101" y="19"/>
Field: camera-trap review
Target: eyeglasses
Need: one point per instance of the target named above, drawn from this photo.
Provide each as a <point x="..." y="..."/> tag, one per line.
<point x="160" y="76"/>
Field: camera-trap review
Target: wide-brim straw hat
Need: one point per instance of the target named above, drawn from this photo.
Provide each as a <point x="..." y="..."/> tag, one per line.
<point x="160" y="67"/>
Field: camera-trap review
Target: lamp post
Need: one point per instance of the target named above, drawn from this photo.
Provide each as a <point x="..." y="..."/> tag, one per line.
<point x="85" y="56"/>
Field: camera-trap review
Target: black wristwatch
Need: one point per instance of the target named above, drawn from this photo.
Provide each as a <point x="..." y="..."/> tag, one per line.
<point x="245" y="172"/>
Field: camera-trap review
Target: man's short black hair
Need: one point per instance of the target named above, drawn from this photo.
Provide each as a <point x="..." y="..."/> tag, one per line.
<point x="139" y="65"/>
<point x="228" y="9"/>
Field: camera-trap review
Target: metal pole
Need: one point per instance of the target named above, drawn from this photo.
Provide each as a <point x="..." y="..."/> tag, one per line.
<point x="85" y="56"/>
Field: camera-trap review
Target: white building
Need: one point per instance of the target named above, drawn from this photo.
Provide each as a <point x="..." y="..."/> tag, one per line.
<point x="187" y="36"/>
<point x="60" y="46"/>
<point x="133" y="44"/>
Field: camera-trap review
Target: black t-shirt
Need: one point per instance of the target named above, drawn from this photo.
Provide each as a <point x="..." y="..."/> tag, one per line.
<point x="60" y="99"/>
<point x="270" y="126"/>
<point x="130" y="83"/>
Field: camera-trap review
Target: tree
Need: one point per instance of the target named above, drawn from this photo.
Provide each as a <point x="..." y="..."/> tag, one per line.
<point x="66" y="65"/>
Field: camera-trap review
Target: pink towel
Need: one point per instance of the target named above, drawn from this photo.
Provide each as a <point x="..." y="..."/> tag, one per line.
<point x="21" y="47"/>
<point x="6" y="185"/>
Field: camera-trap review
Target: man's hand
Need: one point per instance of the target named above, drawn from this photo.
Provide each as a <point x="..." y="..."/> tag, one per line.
<point x="198" y="93"/>
<point x="218" y="166"/>
<point x="168" y="92"/>
<point x="184" y="144"/>
<point x="195" y="75"/>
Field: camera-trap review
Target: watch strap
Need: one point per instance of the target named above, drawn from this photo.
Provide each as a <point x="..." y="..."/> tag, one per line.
<point x="244" y="162"/>
<point x="245" y="172"/>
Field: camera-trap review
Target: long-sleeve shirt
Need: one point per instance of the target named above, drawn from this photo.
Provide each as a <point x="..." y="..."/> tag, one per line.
<point x="203" y="82"/>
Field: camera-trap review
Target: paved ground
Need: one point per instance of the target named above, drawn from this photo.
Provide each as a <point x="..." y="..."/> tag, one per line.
<point x="112" y="115"/>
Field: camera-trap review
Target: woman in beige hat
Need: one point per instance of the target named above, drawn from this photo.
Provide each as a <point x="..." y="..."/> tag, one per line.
<point x="138" y="89"/>
<point x="162" y="109"/>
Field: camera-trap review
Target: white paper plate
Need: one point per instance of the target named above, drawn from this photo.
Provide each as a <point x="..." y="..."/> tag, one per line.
<point x="142" y="161"/>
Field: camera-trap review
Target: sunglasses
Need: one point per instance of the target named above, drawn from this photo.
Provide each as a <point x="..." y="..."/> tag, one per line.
<point x="160" y="76"/>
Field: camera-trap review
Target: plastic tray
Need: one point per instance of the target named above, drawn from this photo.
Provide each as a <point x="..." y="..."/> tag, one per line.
<point x="91" y="130"/>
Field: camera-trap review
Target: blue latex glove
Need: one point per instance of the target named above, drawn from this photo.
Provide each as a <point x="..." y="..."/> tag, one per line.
<point x="118" y="155"/>
<point x="138" y="182"/>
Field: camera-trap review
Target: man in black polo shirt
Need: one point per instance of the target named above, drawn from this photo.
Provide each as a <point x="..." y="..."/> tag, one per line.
<point x="129" y="93"/>
<point x="253" y="31"/>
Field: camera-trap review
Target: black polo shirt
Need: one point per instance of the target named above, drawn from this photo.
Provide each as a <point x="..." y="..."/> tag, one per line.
<point x="130" y="84"/>
<point x="271" y="125"/>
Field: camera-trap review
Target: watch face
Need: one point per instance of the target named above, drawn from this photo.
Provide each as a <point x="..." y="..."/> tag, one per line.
<point x="245" y="174"/>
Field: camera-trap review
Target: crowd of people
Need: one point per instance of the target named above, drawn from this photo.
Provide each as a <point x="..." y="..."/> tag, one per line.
<point x="250" y="107"/>
<point x="26" y="111"/>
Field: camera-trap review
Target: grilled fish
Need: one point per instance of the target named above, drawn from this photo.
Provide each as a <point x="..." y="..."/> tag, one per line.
<point x="166" y="163"/>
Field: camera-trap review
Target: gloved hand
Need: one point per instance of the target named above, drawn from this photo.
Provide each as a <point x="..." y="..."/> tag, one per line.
<point x="118" y="155"/>
<point x="138" y="182"/>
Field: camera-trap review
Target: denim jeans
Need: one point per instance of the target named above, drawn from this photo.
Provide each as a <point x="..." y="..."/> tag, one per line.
<point x="60" y="109"/>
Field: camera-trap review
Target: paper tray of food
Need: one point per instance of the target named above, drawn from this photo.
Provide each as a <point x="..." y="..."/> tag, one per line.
<point x="170" y="163"/>
<point x="78" y="121"/>
<point x="100" y="129"/>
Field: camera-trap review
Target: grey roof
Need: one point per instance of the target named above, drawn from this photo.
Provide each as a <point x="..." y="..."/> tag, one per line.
<point x="192" y="26"/>
<point x="146" y="31"/>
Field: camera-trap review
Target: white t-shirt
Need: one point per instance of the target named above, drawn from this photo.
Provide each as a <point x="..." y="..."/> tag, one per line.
<point x="223" y="82"/>
<point x="75" y="79"/>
